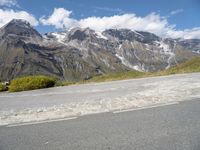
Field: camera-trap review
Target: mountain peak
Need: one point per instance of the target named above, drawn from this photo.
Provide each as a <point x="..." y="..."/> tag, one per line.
<point x="19" y="27"/>
<point x="80" y="33"/>
<point x="20" y="21"/>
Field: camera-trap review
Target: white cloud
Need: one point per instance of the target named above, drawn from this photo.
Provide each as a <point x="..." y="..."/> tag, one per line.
<point x="152" y="22"/>
<point x="193" y="33"/>
<point x="174" y="12"/>
<point x="7" y="15"/>
<point x="8" y="2"/>
<point x="61" y="18"/>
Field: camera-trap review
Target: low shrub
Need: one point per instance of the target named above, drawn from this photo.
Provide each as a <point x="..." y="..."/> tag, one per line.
<point x="31" y="83"/>
<point x="3" y="87"/>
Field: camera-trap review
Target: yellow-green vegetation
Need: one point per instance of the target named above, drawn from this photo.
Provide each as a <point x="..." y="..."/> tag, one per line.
<point x="61" y="83"/>
<point x="118" y="76"/>
<point x="189" y="66"/>
<point x="1" y="87"/>
<point x="31" y="83"/>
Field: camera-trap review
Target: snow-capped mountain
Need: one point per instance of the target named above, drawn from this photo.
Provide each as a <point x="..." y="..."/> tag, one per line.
<point x="81" y="53"/>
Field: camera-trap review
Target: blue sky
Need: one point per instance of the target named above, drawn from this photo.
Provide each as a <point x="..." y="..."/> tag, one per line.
<point x="183" y="15"/>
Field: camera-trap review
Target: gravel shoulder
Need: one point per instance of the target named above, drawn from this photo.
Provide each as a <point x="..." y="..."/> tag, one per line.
<point x="92" y="98"/>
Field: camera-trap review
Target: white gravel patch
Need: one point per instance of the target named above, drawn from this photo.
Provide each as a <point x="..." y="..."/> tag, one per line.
<point x="162" y="91"/>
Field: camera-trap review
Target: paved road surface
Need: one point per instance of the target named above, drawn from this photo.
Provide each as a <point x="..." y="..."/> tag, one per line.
<point x="173" y="127"/>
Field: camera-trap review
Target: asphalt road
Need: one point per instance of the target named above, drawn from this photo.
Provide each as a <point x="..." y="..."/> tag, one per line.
<point x="172" y="127"/>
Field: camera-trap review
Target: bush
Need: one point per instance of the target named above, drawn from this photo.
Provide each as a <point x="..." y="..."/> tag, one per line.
<point x="3" y="87"/>
<point x="31" y="83"/>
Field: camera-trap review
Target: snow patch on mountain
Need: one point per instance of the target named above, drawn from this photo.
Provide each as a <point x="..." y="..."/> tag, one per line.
<point x="165" y="47"/>
<point x="197" y="51"/>
<point x="166" y="50"/>
<point x="59" y="36"/>
<point x="138" y="33"/>
<point x="101" y="36"/>
<point x="127" y="64"/>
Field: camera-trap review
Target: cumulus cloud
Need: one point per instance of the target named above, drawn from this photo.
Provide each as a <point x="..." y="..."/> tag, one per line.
<point x="8" y="2"/>
<point x="152" y="22"/>
<point x="61" y="18"/>
<point x="7" y="15"/>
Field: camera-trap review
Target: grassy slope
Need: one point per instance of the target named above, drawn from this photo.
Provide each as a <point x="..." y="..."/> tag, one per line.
<point x="36" y="82"/>
<point x="118" y="76"/>
<point x="190" y="66"/>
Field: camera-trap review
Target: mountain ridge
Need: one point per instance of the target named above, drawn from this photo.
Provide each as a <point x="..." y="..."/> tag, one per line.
<point x="79" y="54"/>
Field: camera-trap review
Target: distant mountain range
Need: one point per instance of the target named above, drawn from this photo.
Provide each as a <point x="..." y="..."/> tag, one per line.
<point x="79" y="53"/>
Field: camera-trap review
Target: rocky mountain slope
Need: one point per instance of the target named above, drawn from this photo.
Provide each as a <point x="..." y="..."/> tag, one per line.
<point x="81" y="53"/>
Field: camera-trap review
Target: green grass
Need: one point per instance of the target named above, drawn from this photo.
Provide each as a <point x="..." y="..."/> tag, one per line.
<point x="189" y="66"/>
<point x="31" y="83"/>
<point x="118" y="76"/>
<point x="64" y="83"/>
